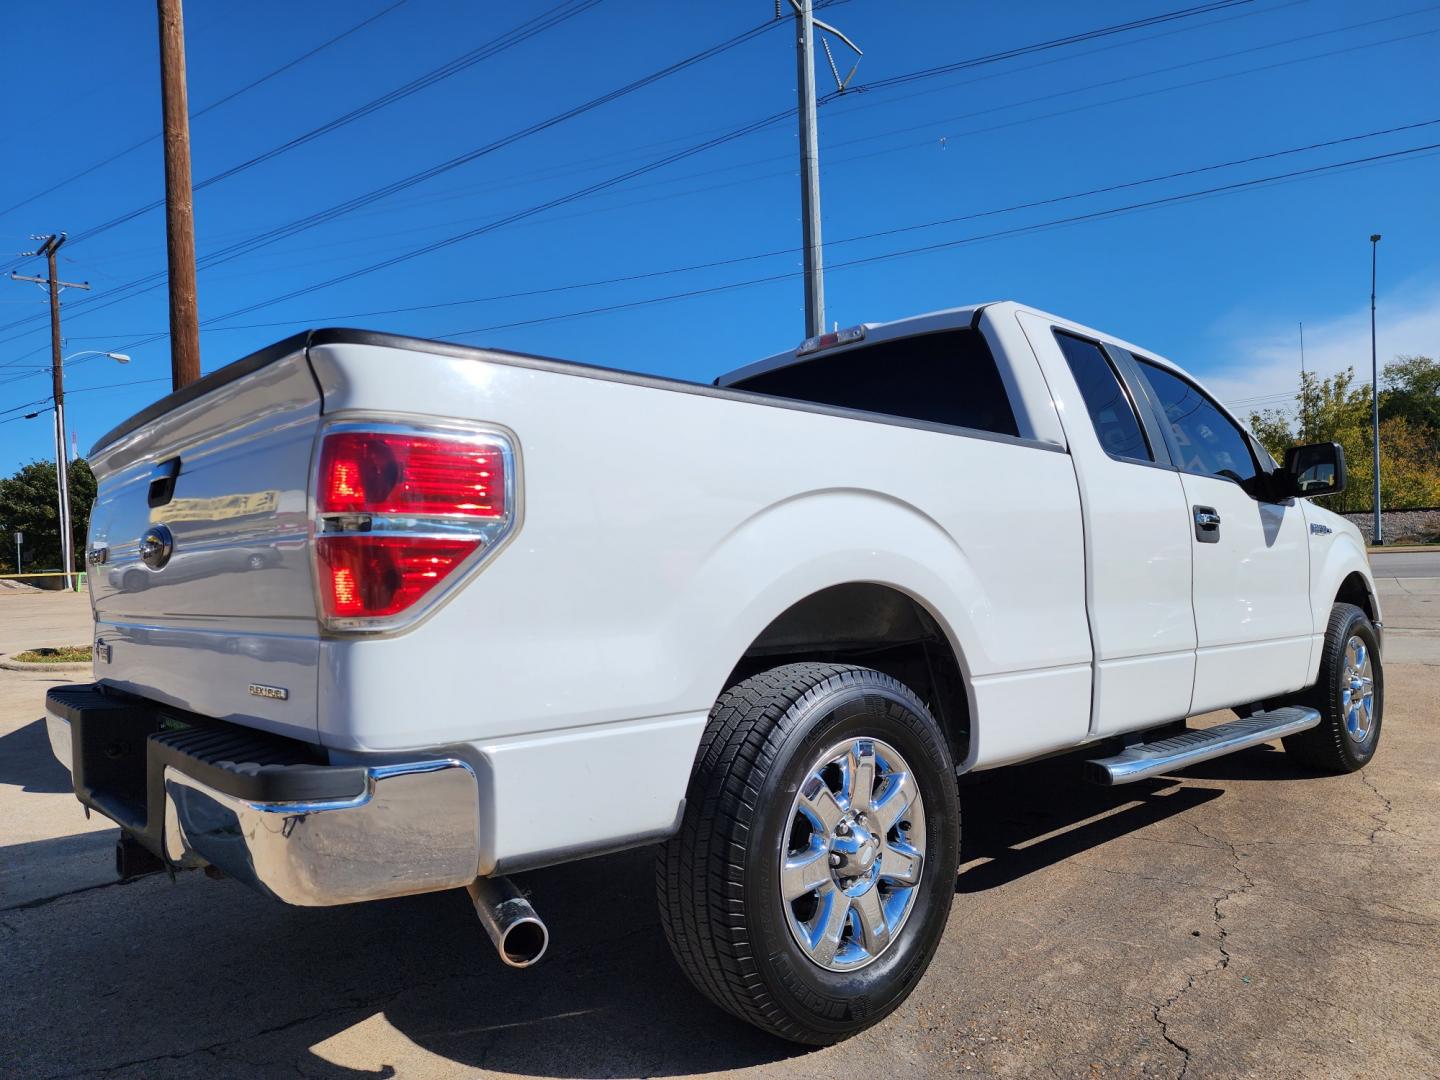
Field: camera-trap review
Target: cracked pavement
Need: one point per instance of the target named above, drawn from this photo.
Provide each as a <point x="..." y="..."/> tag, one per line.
<point x="1243" y="918"/>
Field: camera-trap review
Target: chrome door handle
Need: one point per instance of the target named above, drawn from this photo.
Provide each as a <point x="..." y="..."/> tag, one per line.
<point x="1207" y="524"/>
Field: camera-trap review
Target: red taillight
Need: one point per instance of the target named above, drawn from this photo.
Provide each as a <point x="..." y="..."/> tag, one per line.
<point x="398" y="512"/>
<point x="365" y="576"/>
<point x="369" y="472"/>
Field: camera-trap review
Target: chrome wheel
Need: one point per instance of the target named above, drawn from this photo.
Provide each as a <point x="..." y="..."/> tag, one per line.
<point x="1357" y="690"/>
<point x="853" y="854"/>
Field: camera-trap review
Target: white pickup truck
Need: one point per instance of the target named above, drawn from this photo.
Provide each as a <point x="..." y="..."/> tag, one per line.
<point x="378" y="616"/>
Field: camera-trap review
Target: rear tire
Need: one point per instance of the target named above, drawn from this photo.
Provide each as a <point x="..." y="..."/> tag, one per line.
<point x="1349" y="695"/>
<point x="811" y="879"/>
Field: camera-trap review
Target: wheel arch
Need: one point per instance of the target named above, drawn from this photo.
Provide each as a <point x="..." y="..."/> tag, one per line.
<point x="1356" y="589"/>
<point x="875" y="625"/>
<point x="1340" y="575"/>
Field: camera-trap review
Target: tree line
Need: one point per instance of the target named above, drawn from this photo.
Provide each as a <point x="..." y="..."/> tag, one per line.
<point x="1337" y="409"/>
<point x="29" y="504"/>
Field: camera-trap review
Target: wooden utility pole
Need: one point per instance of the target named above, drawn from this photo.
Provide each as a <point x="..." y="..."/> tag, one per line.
<point x="179" y="198"/>
<point x="49" y="246"/>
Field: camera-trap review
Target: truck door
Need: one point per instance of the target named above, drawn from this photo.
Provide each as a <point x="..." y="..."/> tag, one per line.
<point x="1251" y="556"/>
<point x="1137" y="540"/>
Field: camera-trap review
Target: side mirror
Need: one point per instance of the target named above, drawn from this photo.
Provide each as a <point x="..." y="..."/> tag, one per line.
<point x="1316" y="469"/>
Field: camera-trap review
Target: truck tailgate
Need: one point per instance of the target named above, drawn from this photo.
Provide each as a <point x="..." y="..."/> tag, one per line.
<point x="225" y="624"/>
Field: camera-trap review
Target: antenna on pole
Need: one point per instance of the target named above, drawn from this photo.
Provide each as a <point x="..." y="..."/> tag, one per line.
<point x="806" y="24"/>
<point x="1302" y="381"/>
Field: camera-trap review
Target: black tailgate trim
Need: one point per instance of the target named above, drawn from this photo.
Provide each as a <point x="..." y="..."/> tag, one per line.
<point x="219" y="377"/>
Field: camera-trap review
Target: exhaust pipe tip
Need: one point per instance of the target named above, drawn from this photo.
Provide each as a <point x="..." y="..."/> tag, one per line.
<point x="519" y="935"/>
<point x="523" y="945"/>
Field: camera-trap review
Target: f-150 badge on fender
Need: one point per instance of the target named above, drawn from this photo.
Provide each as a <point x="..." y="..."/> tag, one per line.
<point x="278" y="693"/>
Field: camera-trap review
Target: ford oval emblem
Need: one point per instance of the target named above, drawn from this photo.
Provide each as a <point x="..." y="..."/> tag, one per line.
<point x="156" y="546"/>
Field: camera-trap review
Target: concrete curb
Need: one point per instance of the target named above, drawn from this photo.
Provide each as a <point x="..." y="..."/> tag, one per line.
<point x="17" y="665"/>
<point x="1406" y="549"/>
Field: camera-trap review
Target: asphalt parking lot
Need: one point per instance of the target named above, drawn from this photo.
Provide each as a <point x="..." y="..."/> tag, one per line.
<point x="1244" y="917"/>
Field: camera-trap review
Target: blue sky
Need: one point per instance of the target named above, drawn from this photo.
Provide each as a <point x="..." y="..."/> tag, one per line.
<point x="1218" y="284"/>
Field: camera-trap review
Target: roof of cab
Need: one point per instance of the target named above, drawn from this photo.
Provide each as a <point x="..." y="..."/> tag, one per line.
<point x="948" y="319"/>
<point x="930" y="322"/>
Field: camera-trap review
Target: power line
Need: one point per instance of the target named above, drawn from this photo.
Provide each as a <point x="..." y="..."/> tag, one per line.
<point x="234" y="250"/>
<point x="526" y="30"/>
<point x="1055" y="43"/>
<point x="982" y="130"/>
<point x="212" y="106"/>
<point x="1019" y="230"/>
<point x="1096" y="215"/>
<point x="551" y="18"/>
<point x="1197" y="170"/>
<point x="708" y="144"/>
<point x="1156" y="90"/>
<point x="45" y="401"/>
<point x="860" y="237"/>
<point x="1069" y="92"/>
<point x="654" y="165"/>
<point x="456" y="193"/>
<point x="853" y="104"/>
<point x="212" y="260"/>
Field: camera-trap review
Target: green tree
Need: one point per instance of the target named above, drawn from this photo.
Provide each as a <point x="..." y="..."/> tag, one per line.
<point x="1329" y="409"/>
<point x="1408" y="456"/>
<point x="1411" y="389"/>
<point x="29" y="503"/>
<point x="1336" y="409"/>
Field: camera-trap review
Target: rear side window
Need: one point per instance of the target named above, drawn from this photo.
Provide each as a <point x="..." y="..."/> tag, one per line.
<point x="948" y="377"/>
<point x="1208" y="441"/>
<point x="1111" y="410"/>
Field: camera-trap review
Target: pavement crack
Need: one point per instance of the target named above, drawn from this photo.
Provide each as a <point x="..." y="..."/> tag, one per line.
<point x="217" y="1048"/>
<point x="1165" y="1027"/>
<point x="1218" y="901"/>
<point x="1229" y="894"/>
<point x="1381" y="819"/>
<point x="41" y="901"/>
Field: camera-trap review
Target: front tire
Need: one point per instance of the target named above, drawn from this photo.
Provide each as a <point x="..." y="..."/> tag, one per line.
<point x="811" y="879"/>
<point x="1349" y="695"/>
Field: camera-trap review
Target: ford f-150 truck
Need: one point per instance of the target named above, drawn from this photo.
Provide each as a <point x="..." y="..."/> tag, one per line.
<point x="377" y="616"/>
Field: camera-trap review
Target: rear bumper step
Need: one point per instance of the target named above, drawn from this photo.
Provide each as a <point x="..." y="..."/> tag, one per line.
<point x="267" y="810"/>
<point x="1191" y="747"/>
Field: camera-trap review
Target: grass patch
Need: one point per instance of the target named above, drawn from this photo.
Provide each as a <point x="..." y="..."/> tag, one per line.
<point x="63" y="654"/>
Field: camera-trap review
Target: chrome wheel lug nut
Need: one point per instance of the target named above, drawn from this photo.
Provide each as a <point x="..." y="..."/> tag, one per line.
<point x="836" y="859"/>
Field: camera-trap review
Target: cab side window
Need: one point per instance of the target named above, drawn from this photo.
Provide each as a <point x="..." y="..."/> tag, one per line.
<point x="1207" y="441"/>
<point x="1111" y="411"/>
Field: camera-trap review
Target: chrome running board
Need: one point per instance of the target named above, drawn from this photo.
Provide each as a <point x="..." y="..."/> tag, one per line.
<point x="1191" y="747"/>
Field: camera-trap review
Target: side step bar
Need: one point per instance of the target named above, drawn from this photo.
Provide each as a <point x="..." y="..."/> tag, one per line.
<point x="1191" y="747"/>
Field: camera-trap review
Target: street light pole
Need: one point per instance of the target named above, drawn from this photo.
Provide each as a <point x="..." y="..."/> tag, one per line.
<point x="1375" y="394"/>
<point x="62" y="464"/>
<point x="805" y="26"/>
<point x="809" y="171"/>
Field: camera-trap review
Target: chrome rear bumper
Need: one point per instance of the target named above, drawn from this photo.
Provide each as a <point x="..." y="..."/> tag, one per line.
<point x="58" y="728"/>
<point x="413" y="828"/>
